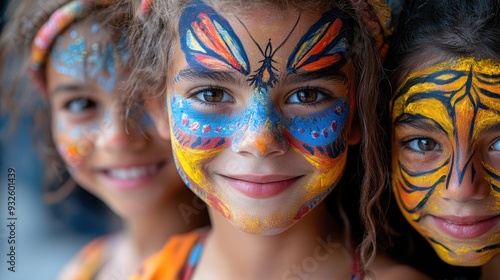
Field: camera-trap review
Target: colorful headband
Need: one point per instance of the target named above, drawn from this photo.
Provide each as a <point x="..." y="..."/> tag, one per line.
<point x="380" y="16"/>
<point x="55" y="25"/>
<point x="145" y="6"/>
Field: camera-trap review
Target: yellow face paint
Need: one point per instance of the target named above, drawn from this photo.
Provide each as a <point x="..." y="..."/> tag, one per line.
<point x="260" y="125"/>
<point x="446" y="157"/>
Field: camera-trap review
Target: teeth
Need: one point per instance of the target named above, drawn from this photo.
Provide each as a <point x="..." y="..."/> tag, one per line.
<point x="132" y="173"/>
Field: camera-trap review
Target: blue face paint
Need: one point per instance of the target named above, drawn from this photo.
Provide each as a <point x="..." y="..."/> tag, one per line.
<point x="123" y="47"/>
<point x="101" y="63"/>
<point x="205" y="129"/>
<point x="77" y="61"/>
<point x="69" y="61"/>
<point x="147" y="121"/>
<point x="321" y="128"/>
<point x="95" y="28"/>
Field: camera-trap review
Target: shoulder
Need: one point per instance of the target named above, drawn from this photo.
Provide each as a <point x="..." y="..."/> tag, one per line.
<point x="87" y="261"/>
<point x="175" y="253"/>
<point x="383" y="267"/>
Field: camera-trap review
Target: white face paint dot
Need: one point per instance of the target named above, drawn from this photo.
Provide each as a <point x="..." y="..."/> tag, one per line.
<point x="73" y="34"/>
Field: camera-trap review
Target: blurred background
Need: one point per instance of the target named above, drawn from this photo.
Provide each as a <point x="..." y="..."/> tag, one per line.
<point x="47" y="235"/>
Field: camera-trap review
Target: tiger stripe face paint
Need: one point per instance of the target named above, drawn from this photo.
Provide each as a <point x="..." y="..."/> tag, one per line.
<point x="446" y="157"/>
<point x="260" y="111"/>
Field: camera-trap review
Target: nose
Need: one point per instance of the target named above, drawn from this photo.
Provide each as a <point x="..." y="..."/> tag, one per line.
<point x="117" y="132"/>
<point x="262" y="133"/>
<point x="466" y="181"/>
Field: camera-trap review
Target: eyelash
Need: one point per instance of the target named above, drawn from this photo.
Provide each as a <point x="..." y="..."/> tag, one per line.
<point x="193" y="96"/>
<point x="321" y="92"/>
<point x="405" y="143"/>
<point x="493" y="144"/>
<point x="89" y="105"/>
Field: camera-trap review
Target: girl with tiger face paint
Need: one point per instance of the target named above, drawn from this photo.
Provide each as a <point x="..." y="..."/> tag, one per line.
<point x="445" y="117"/>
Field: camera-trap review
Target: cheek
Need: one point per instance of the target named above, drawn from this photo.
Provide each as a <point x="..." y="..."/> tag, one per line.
<point x="71" y="143"/>
<point x="201" y="131"/>
<point x="321" y="139"/>
<point x="74" y="142"/>
<point x="197" y="137"/>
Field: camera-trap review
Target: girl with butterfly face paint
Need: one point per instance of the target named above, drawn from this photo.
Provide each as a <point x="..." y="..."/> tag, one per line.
<point x="81" y="62"/>
<point x="262" y="108"/>
<point x="445" y="129"/>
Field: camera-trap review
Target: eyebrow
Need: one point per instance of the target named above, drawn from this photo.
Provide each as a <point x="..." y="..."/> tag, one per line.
<point x="327" y="75"/>
<point x="491" y="129"/>
<point x="193" y="75"/>
<point x="73" y="88"/>
<point x="418" y="122"/>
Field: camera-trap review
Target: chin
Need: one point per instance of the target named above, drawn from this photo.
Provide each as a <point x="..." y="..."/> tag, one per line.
<point x="465" y="256"/>
<point x="262" y="225"/>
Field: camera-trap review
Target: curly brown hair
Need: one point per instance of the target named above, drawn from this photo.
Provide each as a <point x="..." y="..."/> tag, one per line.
<point x="153" y="42"/>
<point x="19" y="95"/>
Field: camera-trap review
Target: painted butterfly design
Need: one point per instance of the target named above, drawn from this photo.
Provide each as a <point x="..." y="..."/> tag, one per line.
<point x="209" y="41"/>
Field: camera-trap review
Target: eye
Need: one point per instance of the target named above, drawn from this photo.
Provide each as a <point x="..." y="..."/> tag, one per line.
<point x="213" y="95"/>
<point x="79" y="105"/>
<point x="423" y="145"/>
<point x="306" y="96"/>
<point x="496" y="145"/>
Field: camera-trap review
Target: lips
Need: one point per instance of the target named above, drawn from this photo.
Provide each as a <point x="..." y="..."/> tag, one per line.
<point x="261" y="186"/>
<point x="131" y="176"/>
<point x="465" y="227"/>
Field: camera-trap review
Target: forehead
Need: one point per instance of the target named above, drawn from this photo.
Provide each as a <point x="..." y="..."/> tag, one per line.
<point x="450" y="80"/>
<point x="465" y="91"/>
<point x="271" y="37"/>
<point x="89" y="29"/>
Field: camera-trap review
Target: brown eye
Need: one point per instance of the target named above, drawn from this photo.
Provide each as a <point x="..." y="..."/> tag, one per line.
<point x="306" y="96"/>
<point x="423" y="145"/>
<point x="426" y="144"/>
<point x="214" y="95"/>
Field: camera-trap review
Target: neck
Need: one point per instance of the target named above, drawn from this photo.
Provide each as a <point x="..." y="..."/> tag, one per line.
<point x="491" y="270"/>
<point x="147" y="233"/>
<point x="306" y="249"/>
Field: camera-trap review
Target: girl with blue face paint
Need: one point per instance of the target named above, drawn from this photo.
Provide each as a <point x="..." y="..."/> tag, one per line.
<point x="80" y="62"/>
<point x="262" y="105"/>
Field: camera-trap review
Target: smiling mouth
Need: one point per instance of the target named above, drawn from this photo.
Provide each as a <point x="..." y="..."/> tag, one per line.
<point x="465" y="228"/>
<point x="136" y="172"/>
<point x="260" y="187"/>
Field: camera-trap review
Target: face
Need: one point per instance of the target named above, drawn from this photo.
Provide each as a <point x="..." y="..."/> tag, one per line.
<point x="446" y="157"/>
<point x="126" y="164"/>
<point x="260" y="111"/>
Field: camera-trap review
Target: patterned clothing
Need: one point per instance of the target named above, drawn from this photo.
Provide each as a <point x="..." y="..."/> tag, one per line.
<point x="166" y="264"/>
<point x="178" y="259"/>
<point x="91" y="259"/>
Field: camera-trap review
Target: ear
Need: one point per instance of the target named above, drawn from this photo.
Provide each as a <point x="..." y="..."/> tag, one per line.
<point x="355" y="133"/>
<point x="156" y="108"/>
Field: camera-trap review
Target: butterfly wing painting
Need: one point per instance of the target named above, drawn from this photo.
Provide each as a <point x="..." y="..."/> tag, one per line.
<point x="325" y="44"/>
<point x="208" y="40"/>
